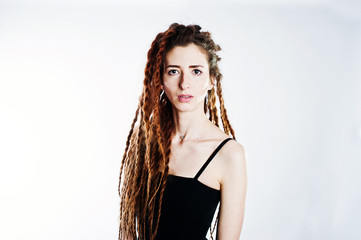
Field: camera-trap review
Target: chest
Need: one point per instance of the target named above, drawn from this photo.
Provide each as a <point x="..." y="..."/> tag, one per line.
<point x="186" y="159"/>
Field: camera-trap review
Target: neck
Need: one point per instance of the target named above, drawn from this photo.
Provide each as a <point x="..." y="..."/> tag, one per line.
<point x="189" y="125"/>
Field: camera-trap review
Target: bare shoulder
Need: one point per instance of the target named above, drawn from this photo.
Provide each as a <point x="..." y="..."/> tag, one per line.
<point x="233" y="162"/>
<point x="233" y="153"/>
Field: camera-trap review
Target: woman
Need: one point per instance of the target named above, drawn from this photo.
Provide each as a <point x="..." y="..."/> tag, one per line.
<point x="178" y="164"/>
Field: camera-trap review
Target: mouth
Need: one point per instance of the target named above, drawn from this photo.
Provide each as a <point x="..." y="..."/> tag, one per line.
<point x="184" y="97"/>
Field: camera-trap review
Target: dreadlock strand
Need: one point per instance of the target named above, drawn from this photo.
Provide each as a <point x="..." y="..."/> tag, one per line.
<point x="213" y="108"/>
<point x="225" y="122"/>
<point x="127" y="146"/>
<point x="168" y="140"/>
<point x="214" y="226"/>
<point x="159" y="133"/>
<point x="128" y="152"/>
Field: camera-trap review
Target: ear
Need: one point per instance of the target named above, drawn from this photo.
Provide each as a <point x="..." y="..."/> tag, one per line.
<point x="161" y="86"/>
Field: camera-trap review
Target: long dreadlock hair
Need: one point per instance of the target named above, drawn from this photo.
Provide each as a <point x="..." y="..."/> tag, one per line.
<point x="147" y="151"/>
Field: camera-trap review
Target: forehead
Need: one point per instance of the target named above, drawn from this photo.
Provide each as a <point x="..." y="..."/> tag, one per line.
<point x="190" y="54"/>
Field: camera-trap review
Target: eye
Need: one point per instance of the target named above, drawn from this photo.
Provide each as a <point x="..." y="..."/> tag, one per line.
<point x="172" y="71"/>
<point x="197" y="71"/>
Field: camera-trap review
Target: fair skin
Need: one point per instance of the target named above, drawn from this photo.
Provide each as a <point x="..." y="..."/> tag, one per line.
<point x="186" y="72"/>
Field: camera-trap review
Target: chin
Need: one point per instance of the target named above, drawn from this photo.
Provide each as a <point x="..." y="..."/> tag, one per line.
<point x="186" y="107"/>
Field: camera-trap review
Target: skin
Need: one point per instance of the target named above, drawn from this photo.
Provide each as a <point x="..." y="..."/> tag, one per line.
<point x="186" y="71"/>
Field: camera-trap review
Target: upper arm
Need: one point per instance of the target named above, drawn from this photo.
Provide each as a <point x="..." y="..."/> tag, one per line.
<point x="233" y="193"/>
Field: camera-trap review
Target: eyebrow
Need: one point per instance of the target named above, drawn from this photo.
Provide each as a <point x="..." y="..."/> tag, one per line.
<point x="191" y="66"/>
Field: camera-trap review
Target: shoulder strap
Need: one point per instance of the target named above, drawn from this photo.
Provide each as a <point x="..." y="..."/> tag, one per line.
<point x="211" y="157"/>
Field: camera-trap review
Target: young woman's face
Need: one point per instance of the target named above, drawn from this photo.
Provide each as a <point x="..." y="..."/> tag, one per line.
<point x="186" y="78"/>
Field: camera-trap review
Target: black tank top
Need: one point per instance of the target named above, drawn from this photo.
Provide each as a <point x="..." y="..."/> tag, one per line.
<point x="188" y="206"/>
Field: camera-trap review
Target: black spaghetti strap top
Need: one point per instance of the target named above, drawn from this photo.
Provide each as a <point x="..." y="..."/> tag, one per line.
<point x="188" y="206"/>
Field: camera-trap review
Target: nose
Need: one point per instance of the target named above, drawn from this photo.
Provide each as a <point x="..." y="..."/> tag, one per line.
<point x="184" y="82"/>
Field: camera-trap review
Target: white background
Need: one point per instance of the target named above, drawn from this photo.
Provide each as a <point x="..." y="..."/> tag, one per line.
<point x="71" y="73"/>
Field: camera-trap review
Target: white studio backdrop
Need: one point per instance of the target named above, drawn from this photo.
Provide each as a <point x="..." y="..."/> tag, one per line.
<point x="71" y="73"/>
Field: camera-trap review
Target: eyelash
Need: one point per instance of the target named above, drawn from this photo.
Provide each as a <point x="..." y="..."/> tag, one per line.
<point x="170" y="71"/>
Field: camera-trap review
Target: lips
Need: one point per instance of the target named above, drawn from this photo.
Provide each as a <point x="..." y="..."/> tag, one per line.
<point x="184" y="97"/>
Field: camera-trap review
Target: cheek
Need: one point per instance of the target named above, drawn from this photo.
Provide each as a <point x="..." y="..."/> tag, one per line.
<point x="168" y="82"/>
<point x="167" y="87"/>
<point x="203" y="85"/>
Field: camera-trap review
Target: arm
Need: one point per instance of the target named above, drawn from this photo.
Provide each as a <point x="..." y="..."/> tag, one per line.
<point x="233" y="193"/>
